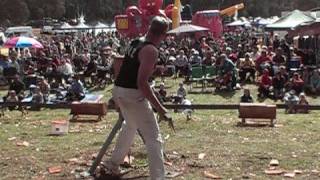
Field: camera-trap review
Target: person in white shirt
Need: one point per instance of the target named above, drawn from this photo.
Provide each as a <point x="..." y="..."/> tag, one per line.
<point x="65" y="69"/>
<point x="181" y="63"/>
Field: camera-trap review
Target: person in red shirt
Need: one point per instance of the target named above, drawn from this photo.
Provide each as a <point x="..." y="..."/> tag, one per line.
<point x="297" y="83"/>
<point x="264" y="84"/>
<point x="262" y="61"/>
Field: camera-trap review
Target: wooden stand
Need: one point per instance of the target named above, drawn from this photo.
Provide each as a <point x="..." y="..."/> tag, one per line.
<point x="91" y="106"/>
<point x="257" y="113"/>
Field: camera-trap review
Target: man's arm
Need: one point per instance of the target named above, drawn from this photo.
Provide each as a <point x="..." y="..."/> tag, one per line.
<point x="148" y="58"/>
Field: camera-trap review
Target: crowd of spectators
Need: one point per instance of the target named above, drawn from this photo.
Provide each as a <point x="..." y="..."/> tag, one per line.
<point x="69" y="64"/>
<point x="66" y="67"/>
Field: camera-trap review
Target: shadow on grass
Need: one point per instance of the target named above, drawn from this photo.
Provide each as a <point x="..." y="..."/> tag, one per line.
<point x="225" y="94"/>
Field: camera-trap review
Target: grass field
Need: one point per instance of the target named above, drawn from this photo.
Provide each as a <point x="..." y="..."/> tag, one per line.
<point x="231" y="151"/>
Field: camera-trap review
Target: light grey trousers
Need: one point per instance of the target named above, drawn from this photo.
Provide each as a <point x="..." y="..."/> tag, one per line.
<point x="138" y="114"/>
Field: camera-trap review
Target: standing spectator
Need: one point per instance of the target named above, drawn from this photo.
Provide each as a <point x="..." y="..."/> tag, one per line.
<point x="315" y="82"/>
<point x="276" y="42"/>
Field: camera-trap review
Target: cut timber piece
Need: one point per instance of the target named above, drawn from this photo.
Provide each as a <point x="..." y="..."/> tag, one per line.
<point x="257" y="111"/>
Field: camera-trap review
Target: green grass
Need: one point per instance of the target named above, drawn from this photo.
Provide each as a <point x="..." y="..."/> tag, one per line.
<point x="231" y="151"/>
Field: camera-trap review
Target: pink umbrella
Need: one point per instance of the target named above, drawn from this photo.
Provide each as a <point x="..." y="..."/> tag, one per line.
<point x="22" y="42"/>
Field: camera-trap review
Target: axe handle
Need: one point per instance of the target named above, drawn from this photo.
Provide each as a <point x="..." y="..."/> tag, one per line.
<point x="106" y="144"/>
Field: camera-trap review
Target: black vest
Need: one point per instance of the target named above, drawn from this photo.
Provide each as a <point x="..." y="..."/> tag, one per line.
<point x="128" y="74"/>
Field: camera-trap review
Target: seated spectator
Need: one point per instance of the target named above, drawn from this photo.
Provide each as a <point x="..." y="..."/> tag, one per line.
<point x="264" y="85"/>
<point x="278" y="60"/>
<point x="284" y="73"/>
<point x="278" y="84"/>
<point x="315" y="82"/>
<point x="270" y="52"/>
<point x="65" y="69"/>
<point x="12" y="98"/>
<point x="291" y="99"/>
<point x="162" y="93"/>
<point x="247" y="66"/>
<point x="182" y="92"/>
<point x="18" y="86"/>
<point x="296" y="83"/>
<point x="37" y="97"/>
<point x="303" y="101"/>
<point x="186" y="111"/>
<point x="208" y="60"/>
<point x="195" y="58"/>
<point x="44" y="87"/>
<point x="246" y="97"/>
<point x="181" y="63"/>
<point x="227" y="73"/>
<point x="76" y="90"/>
<point x="91" y="68"/>
<point x="255" y="54"/>
<point x="263" y="62"/>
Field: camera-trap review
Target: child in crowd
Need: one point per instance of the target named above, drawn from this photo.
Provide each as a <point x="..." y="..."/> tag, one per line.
<point x="246" y="97"/>
<point x="303" y="101"/>
<point x="37" y="97"/>
<point x="291" y="99"/>
<point x="182" y="92"/>
<point x="13" y="98"/>
<point x="162" y="93"/>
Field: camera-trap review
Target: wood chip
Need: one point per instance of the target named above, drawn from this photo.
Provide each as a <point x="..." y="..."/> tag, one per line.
<point x="289" y="175"/>
<point x="210" y="175"/>
<point x="12" y="138"/>
<point x="315" y="171"/>
<point x="55" y="169"/>
<point x="274" y="162"/>
<point x="201" y="156"/>
<point x="298" y="171"/>
<point x="273" y="172"/>
<point x="24" y="143"/>
<point x="168" y="163"/>
<point x="73" y="160"/>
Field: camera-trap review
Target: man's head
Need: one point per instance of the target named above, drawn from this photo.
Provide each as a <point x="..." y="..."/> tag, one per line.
<point x="159" y="27"/>
<point x="247" y="56"/>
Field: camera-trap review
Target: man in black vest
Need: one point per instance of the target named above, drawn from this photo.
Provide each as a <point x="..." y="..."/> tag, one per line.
<point x="135" y="98"/>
